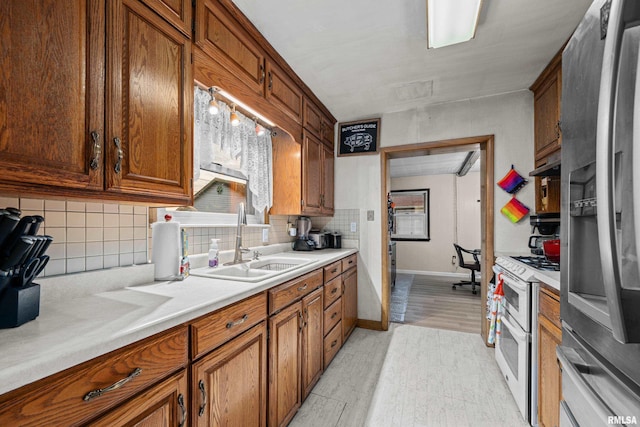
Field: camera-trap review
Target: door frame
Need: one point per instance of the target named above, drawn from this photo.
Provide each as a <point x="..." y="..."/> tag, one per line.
<point x="486" y="145"/>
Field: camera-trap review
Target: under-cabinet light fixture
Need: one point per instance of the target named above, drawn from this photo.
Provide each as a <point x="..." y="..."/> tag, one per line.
<point x="451" y="21"/>
<point x="244" y="107"/>
<point x="235" y="120"/>
<point x="260" y="130"/>
<point x="214" y="108"/>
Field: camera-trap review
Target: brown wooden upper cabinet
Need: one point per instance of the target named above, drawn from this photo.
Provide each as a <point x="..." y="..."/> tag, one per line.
<point x="547" y="91"/>
<point x="317" y="176"/>
<point x="76" y="122"/>
<point x="177" y="12"/>
<point x="312" y="118"/>
<point x="328" y="132"/>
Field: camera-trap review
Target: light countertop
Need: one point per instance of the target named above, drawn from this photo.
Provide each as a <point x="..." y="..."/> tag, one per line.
<point x="551" y="278"/>
<point x="83" y="321"/>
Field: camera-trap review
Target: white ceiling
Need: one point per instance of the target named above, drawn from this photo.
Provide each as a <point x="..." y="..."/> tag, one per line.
<point x="433" y="164"/>
<point x="364" y="58"/>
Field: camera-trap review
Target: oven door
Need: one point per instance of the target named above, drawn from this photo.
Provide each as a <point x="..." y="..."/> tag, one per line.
<point x="512" y="355"/>
<point x="517" y="297"/>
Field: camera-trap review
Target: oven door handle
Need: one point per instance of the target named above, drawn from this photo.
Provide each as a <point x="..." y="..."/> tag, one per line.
<point x="513" y="284"/>
<point x="515" y="331"/>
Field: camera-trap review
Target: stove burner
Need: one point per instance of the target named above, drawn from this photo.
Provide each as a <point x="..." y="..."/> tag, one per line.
<point x="538" y="262"/>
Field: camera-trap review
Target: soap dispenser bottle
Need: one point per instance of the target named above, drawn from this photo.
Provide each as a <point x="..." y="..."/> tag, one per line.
<point x="213" y="253"/>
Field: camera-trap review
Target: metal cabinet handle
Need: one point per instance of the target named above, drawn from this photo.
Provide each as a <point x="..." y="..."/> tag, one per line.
<point x="237" y="322"/>
<point x="333" y="316"/>
<point x="300" y="321"/>
<point x="270" y="80"/>
<point x="96" y="150"/>
<point x="334" y="290"/>
<point x="302" y="288"/>
<point x="261" y="73"/>
<point x="204" y="398"/>
<point x="183" y="409"/>
<point x="333" y="344"/>
<point x="334" y="270"/>
<point x="118" y="165"/>
<point x="99" y="392"/>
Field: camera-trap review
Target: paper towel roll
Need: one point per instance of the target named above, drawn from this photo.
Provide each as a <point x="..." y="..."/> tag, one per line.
<point x="166" y="248"/>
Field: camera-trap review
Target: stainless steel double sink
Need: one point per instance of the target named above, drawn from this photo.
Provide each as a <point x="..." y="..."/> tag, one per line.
<point x="253" y="271"/>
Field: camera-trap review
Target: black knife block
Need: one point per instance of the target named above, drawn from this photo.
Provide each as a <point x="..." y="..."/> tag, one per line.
<point x="19" y="305"/>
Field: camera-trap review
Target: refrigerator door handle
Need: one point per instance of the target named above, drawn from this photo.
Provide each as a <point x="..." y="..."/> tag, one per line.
<point x="605" y="190"/>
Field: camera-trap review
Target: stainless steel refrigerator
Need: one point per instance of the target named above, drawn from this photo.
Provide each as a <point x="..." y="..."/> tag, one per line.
<point x="600" y="220"/>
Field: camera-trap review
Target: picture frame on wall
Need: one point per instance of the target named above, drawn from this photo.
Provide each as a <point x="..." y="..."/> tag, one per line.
<point x="358" y="137"/>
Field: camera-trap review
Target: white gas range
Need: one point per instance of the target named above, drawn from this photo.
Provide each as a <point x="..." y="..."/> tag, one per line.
<point x="517" y="345"/>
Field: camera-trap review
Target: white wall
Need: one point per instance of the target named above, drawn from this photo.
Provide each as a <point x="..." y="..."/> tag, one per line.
<point x="508" y="117"/>
<point x="454" y="217"/>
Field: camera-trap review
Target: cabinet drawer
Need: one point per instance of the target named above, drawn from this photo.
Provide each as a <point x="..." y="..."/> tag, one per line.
<point x="332" y="291"/>
<point x="283" y="295"/>
<point x="332" y="343"/>
<point x="550" y="307"/>
<point x="217" y="328"/>
<point x="80" y="393"/>
<point x="332" y="315"/>
<point x="332" y="270"/>
<point x="349" y="262"/>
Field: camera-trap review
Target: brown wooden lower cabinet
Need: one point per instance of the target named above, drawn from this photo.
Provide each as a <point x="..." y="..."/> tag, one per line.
<point x="229" y="385"/>
<point x="312" y="340"/>
<point x="549" y="373"/>
<point x="165" y="404"/>
<point x="284" y="364"/>
<point x="349" y="302"/>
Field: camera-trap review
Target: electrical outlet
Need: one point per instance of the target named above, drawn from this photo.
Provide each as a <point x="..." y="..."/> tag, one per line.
<point x="369" y="215"/>
<point x="354" y="227"/>
<point x="265" y="235"/>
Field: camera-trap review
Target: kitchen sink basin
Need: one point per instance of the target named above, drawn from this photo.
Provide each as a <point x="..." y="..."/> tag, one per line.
<point x="253" y="271"/>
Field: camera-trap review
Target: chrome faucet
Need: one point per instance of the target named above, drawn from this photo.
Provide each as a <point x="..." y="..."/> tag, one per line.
<point x="242" y="220"/>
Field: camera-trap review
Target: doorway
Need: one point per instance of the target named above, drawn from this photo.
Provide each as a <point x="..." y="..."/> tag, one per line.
<point x="485" y="146"/>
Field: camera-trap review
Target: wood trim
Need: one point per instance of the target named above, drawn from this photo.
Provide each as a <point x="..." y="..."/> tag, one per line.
<point x="373" y="325"/>
<point x="486" y="144"/>
<point x="549" y="69"/>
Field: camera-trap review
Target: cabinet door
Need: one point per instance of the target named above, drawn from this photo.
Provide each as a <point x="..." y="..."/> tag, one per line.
<point x="177" y="12"/>
<point x="287" y="175"/>
<point x="349" y="302"/>
<point x="547" y="116"/>
<point x="312" y="340"/>
<point x="283" y="92"/>
<point x="284" y="364"/>
<point x="312" y="155"/>
<point x="150" y="102"/>
<point x="51" y="94"/>
<point x="327" y="180"/>
<point x="230" y="385"/>
<point x="328" y="136"/>
<point x="549" y="374"/>
<point x="312" y="119"/>
<point x="163" y="405"/>
<point x="223" y="38"/>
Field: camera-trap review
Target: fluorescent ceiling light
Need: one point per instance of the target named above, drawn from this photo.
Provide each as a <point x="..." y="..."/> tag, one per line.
<point x="451" y="21"/>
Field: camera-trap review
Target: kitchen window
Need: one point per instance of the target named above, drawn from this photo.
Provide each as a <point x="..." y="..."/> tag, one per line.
<point x="411" y="216"/>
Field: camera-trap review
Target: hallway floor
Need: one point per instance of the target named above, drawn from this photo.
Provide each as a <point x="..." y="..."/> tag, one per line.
<point x="411" y="376"/>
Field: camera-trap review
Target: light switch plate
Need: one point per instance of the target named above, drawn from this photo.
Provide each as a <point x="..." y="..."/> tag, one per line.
<point x="353" y="227"/>
<point x="369" y="215"/>
<point x="265" y="235"/>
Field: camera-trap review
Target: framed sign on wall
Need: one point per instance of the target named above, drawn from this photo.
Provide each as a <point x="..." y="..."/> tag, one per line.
<point x="360" y="137"/>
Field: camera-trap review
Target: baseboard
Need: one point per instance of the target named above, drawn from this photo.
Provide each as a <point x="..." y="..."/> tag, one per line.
<point x="374" y="325"/>
<point x="436" y="273"/>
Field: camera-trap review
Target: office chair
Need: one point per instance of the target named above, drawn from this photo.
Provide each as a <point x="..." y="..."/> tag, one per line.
<point x="475" y="266"/>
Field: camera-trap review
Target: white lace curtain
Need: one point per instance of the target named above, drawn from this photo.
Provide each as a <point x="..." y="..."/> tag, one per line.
<point x="239" y="141"/>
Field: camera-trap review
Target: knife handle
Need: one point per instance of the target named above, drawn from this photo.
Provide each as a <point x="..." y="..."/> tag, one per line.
<point x="7" y="224"/>
<point x="22" y="246"/>
<point x="33" y="229"/>
<point x="18" y="231"/>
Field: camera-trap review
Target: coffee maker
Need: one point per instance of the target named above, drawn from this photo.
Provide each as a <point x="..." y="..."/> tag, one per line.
<point x="303" y="242"/>
<point x="544" y="226"/>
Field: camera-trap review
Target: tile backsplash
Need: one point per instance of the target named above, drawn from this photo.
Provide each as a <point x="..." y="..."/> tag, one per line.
<point x="88" y="235"/>
<point x="99" y="235"/>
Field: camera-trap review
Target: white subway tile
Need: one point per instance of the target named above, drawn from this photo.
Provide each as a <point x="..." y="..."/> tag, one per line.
<point x="140" y="210"/>
<point x="110" y="208"/>
<point x="126" y="209"/>
<point x="140" y="233"/>
<point x="55" y="219"/>
<point x="31" y="204"/>
<point x="55" y="267"/>
<point x="111" y="248"/>
<point x="57" y="251"/>
<point x="29" y="212"/>
<point x="95" y="263"/>
<point x="111" y="220"/>
<point x="75" y="250"/>
<point x="95" y="234"/>
<point x="95" y="219"/>
<point x="111" y="233"/>
<point x="59" y="234"/>
<point x="126" y="220"/>
<point x="140" y="258"/>
<point x="94" y="207"/>
<point x="140" y="245"/>
<point x="111" y="261"/>
<point x="126" y="259"/>
<point x="94" y="249"/>
<point x="75" y="219"/>
<point x="55" y="205"/>
<point x="75" y="235"/>
<point x="140" y="221"/>
<point x="126" y="233"/>
<point x="9" y="202"/>
<point x="75" y="265"/>
<point x="126" y="246"/>
<point x="76" y="206"/>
